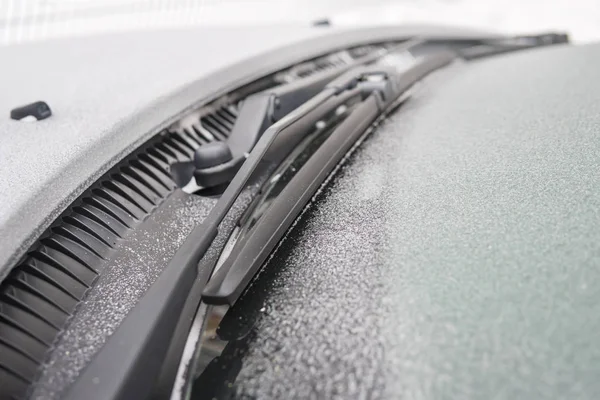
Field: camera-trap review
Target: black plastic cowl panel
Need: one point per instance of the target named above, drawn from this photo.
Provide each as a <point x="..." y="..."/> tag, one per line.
<point x="43" y="291"/>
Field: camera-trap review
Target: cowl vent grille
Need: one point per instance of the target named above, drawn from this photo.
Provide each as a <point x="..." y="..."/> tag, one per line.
<point x="41" y="293"/>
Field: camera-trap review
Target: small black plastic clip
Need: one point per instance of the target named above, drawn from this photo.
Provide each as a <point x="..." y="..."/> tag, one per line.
<point x="322" y="22"/>
<point x="39" y="110"/>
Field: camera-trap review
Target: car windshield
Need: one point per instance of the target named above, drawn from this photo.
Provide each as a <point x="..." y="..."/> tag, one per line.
<point x="33" y="20"/>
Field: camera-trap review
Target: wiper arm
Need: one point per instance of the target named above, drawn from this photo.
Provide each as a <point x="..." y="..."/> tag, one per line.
<point x="218" y="162"/>
<point x="380" y="88"/>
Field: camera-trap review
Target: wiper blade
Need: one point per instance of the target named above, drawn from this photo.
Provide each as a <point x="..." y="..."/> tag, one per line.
<point x="380" y="88"/>
<point x="493" y="47"/>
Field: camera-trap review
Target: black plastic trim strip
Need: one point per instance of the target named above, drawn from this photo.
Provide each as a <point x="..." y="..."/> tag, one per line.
<point x="142" y="340"/>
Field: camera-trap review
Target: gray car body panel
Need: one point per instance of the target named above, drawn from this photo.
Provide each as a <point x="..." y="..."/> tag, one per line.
<point x="111" y="93"/>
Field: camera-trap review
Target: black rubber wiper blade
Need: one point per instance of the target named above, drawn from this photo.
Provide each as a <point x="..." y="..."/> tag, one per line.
<point x="491" y="47"/>
<point x="241" y="266"/>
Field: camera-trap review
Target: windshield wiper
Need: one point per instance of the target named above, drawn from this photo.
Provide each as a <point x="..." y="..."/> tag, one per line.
<point x="378" y="88"/>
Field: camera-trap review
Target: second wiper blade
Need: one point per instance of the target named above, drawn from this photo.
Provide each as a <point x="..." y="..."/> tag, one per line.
<point x="239" y="268"/>
<point x="498" y="46"/>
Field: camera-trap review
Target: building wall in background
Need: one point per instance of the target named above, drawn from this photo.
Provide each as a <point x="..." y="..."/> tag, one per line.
<point x="33" y="20"/>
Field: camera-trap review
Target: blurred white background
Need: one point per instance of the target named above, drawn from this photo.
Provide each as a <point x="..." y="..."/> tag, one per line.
<point x="32" y="20"/>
